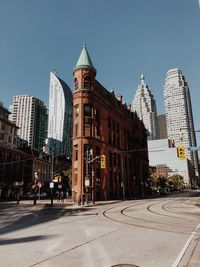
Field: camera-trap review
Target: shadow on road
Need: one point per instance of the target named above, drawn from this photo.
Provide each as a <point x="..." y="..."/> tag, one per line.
<point x="30" y="217"/>
<point x="21" y="240"/>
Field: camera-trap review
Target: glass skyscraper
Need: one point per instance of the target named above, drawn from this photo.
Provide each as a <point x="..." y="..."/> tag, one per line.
<point x="60" y="117"/>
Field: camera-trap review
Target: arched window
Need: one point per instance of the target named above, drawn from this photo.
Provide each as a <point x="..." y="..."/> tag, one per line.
<point x="76" y="83"/>
<point x="87" y="82"/>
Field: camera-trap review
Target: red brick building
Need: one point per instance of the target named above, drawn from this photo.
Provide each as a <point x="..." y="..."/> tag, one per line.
<point x="103" y="125"/>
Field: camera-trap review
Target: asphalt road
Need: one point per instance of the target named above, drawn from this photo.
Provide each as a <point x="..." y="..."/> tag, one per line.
<point x="147" y="232"/>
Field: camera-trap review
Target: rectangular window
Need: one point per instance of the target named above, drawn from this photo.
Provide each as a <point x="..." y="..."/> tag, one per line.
<point x="97" y="132"/>
<point x="76" y="111"/>
<point x="76" y="130"/>
<point x="109" y="123"/>
<point x="97" y="115"/>
<point x="87" y="129"/>
<point x="76" y="152"/>
<point x="87" y="110"/>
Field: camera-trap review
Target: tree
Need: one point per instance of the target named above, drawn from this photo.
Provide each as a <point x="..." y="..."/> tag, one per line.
<point x="176" y="181"/>
<point x="158" y="181"/>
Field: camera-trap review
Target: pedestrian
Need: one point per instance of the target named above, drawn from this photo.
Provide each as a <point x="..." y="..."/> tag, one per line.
<point x="57" y="196"/>
<point x="18" y="198"/>
<point x="62" y="196"/>
<point x="79" y="200"/>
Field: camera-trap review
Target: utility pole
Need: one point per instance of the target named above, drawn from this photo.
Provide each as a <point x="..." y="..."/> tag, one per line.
<point x="123" y="179"/>
<point x="87" y="181"/>
<point x="52" y="173"/>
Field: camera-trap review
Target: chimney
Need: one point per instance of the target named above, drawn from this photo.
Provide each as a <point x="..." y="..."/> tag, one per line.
<point x="129" y="107"/>
<point x="120" y="98"/>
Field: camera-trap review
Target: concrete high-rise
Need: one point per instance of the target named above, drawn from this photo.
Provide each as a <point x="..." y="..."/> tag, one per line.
<point x="179" y="118"/>
<point x="145" y="106"/>
<point x="60" y="117"/>
<point x="30" y="115"/>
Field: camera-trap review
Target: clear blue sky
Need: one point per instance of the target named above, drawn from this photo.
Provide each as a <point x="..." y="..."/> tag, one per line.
<point x="124" y="38"/>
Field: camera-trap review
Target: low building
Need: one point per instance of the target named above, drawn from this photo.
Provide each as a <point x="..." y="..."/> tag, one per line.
<point x="105" y="129"/>
<point x="18" y="162"/>
<point x="163" y="156"/>
<point x="8" y="130"/>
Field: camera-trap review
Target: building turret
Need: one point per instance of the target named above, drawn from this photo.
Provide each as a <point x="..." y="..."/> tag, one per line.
<point x="84" y="71"/>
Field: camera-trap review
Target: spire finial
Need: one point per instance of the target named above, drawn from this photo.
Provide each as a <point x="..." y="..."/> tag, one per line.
<point x="142" y="78"/>
<point x="84" y="43"/>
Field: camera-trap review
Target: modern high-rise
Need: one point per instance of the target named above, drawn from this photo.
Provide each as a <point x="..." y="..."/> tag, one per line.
<point x="145" y="106"/>
<point x="60" y="117"/>
<point x="179" y="118"/>
<point x="31" y="116"/>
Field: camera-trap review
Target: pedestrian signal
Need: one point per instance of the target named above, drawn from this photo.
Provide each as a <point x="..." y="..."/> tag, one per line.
<point x="181" y="153"/>
<point x="103" y="161"/>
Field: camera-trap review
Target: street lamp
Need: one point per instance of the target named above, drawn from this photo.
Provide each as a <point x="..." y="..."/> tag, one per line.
<point x="35" y="188"/>
<point x="52" y="174"/>
<point x="123" y="178"/>
<point x="51" y="185"/>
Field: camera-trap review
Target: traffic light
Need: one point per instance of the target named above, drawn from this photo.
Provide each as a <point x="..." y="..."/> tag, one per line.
<point x="181" y="153"/>
<point x="103" y="161"/>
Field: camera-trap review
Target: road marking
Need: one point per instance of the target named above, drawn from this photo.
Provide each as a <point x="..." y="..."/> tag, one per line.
<point x="181" y="254"/>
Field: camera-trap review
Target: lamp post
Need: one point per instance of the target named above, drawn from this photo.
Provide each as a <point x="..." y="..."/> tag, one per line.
<point x="123" y="178"/>
<point x="52" y="173"/>
<point x="89" y="159"/>
<point x="51" y="185"/>
<point x="87" y="180"/>
<point x="35" y="188"/>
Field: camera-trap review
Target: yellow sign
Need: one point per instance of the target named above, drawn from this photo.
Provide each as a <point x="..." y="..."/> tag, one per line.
<point x="181" y="153"/>
<point x="103" y="161"/>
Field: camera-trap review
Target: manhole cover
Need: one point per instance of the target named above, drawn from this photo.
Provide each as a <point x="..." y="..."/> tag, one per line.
<point x="124" y="265"/>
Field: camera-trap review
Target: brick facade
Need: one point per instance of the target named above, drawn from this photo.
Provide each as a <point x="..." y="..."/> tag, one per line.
<point x="103" y="125"/>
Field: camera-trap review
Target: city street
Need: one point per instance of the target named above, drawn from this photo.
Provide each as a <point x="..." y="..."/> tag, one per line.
<point x="156" y="232"/>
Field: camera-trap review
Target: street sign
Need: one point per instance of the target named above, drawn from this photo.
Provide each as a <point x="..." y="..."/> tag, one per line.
<point x="51" y="185"/>
<point x="87" y="182"/>
<point x="193" y="148"/>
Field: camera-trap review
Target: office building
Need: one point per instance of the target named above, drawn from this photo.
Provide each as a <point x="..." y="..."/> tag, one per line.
<point x="179" y="118"/>
<point x="162" y="126"/>
<point x="30" y="115"/>
<point x="106" y="130"/>
<point x="60" y="117"/>
<point x="145" y="106"/>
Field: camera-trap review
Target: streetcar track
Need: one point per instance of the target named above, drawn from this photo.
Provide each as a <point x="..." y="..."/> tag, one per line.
<point x="181" y="213"/>
<point x="122" y="211"/>
<point x="166" y="210"/>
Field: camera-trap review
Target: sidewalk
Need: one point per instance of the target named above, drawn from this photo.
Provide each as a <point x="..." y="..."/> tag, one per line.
<point x="47" y="203"/>
<point x="68" y="203"/>
<point x="191" y="258"/>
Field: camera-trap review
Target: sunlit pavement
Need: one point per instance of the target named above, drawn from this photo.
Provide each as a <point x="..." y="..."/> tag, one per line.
<point x="160" y="232"/>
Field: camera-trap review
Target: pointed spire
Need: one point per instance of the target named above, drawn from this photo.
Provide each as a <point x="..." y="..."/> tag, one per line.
<point x="84" y="60"/>
<point x="142" y="78"/>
